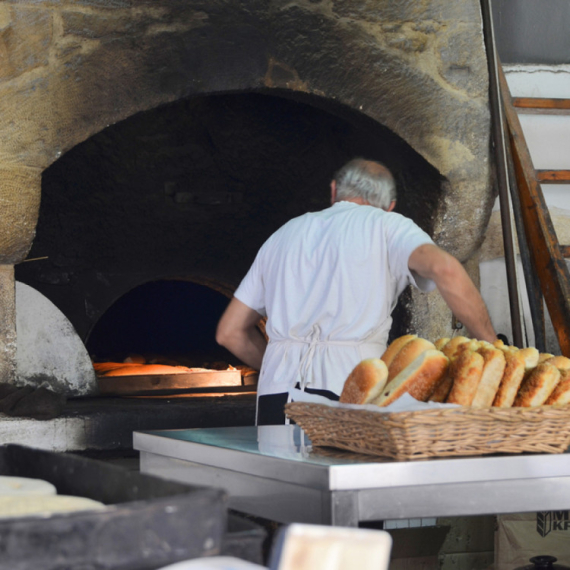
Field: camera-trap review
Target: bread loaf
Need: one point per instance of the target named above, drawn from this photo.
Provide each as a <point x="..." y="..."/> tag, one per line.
<point x="539" y="385"/>
<point x="466" y="371"/>
<point x="560" y="394"/>
<point x="561" y="362"/>
<point x="441" y="342"/>
<point x="407" y="354"/>
<point x="395" y="347"/>
<point x="530" y="355"/>
<point x="418" y="379"/>
<point x="543" y="356"/>
<point x="493" y="369"/>
<point x="450" y="349"/>
<point x="442" y="389"/>
<point x="365" y="382"/>
<point x="511" y="381"/>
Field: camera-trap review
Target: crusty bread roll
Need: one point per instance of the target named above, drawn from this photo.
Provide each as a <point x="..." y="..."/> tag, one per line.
<point x="407" y="354"/>
<point x="561" y="362"/>
<point x="511" y="381"/>
<point x="507" y="349"/>
<point x="493" y="369"/>
<point x="472" y="345"/>
<point x="536" y="389"/>
<point x="466" y="371"/>
<point x="543" y="356"/>
<point x="561" y="394"/>
<point x="530" y="355"/>
<point x="450" y="349"/>
<point x="395" y="347"/>
<point x="365" y="382"/>
<point x="418" y="379"/>
<point x="442" y="389"/>
<point x="441" y="342"/>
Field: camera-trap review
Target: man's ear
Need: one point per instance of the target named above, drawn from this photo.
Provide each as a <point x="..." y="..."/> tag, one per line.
<point x="333" y="192"/>
<point x="391" y="206"/>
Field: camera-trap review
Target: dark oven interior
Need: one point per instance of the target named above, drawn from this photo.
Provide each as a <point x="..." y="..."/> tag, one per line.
<point x="149" y="225"/>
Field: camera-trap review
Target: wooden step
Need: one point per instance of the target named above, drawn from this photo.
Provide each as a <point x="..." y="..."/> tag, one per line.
<point x="553" y="176"/>
<point x="545" y="106"/>
<point x="538" y="103"/>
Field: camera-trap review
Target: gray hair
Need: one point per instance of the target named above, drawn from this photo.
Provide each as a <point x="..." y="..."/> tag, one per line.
<point x="368" y="180"/>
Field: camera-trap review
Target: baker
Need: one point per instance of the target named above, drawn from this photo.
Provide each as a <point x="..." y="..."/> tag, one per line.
<point x="328" y="282"/>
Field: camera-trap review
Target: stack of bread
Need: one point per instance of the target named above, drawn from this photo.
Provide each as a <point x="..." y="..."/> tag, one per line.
<point x="460" y="371"/>
<point x="24" y="496"/>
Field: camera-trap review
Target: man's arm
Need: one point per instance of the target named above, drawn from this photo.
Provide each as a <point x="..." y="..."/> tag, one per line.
<point x="238" y="333"/>
<point x="456" y="288"/>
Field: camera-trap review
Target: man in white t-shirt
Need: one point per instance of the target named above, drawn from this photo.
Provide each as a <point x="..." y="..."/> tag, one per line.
<point x="328" y="281"/>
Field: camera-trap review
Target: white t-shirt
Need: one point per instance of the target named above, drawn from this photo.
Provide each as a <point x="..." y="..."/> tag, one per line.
<point x="328" y="282"/>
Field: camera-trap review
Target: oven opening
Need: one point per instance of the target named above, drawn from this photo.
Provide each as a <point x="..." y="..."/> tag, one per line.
<point x="146" y="228"/>
<point x="163" y="322"/>
<point x="159" y="339"/>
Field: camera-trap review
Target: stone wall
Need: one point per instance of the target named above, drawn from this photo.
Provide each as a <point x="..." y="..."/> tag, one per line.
<point x="69" y="69"/>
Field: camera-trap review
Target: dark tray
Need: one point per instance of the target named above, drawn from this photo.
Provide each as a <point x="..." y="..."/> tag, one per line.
<point x="152" y="522"/>
<point x="244" y="539"/>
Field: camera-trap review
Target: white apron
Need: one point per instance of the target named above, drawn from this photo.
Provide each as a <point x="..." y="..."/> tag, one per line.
<point x="328" y="282"/>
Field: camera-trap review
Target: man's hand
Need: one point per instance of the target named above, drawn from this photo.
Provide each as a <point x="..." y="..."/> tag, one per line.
<point x="456" y="288"/>
<point x="237" y="331"/>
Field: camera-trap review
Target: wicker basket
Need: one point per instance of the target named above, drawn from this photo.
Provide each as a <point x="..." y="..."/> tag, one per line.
<point x="436" y="433"/>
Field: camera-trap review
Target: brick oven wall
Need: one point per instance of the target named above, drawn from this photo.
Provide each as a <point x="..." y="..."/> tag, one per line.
<point x="69" y="69"/>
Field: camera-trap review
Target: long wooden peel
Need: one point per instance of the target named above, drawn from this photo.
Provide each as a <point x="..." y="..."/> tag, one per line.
<point x="545" y="250"/>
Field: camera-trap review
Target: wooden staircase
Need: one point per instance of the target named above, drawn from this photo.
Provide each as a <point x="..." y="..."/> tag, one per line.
<point x="551" y="276"/>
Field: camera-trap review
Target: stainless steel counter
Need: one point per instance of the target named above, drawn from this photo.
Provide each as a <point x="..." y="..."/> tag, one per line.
<point x="272" y="472"/>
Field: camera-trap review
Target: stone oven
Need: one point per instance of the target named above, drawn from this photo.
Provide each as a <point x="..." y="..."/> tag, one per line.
<point x="162" y="142"/>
